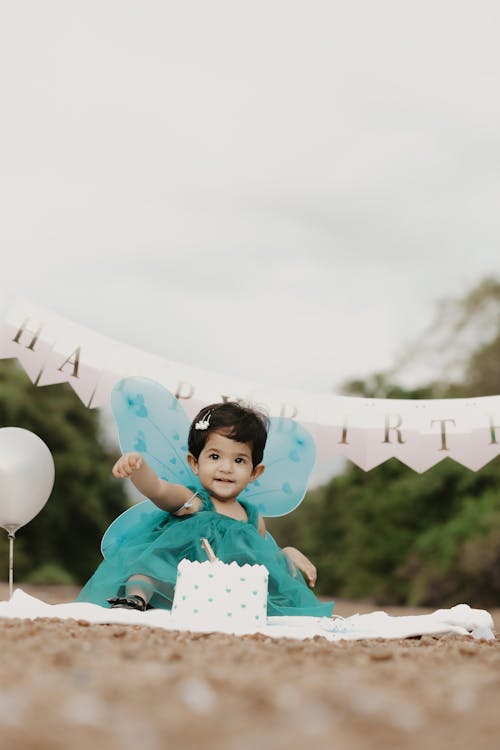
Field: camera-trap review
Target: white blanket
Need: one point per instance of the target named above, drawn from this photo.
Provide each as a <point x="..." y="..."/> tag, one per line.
<point x="460" y="619"/>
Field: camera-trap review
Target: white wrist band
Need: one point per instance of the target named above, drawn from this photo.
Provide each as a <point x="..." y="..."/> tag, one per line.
<point x="188" y="503"/>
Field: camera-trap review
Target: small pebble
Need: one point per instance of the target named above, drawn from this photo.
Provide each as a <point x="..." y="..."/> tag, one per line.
<point x="381" y="654"/>
<point x="468" y="649"/>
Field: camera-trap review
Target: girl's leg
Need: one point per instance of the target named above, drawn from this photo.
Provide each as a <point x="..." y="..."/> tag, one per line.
<point x="139" y="585"/>
<point x="138" y="592"/>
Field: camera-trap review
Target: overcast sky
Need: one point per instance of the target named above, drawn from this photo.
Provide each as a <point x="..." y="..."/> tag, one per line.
<point x="274" y="190"/>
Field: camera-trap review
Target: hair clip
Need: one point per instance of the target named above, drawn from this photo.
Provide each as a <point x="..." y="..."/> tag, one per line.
<point x="204" y="423"/>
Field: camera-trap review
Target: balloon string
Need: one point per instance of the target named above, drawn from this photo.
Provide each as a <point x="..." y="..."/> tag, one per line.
<point x="11" y="564"/>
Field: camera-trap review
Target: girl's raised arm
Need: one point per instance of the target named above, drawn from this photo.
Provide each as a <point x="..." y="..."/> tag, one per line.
<point x="167" y="496"/>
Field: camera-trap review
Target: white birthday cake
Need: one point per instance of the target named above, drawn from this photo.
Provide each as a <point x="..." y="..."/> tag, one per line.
<point x="220" y="596"/>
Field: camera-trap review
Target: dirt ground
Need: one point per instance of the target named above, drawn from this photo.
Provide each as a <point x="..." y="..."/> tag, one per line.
<point x="70" y="685"/>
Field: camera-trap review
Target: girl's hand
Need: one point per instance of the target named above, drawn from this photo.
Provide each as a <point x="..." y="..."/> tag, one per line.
<point x="303" y="564"/>
<point x="127" y="465"/>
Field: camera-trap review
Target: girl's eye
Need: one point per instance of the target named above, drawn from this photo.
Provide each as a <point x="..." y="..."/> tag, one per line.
<point x="214" y="456"/>
<point x="240" y="460"/>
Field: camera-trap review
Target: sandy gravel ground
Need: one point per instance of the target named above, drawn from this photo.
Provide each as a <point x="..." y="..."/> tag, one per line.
<point x="68" y="685"/>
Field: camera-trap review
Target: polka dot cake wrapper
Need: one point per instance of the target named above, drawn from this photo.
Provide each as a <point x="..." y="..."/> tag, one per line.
<point x="227" y="596"/>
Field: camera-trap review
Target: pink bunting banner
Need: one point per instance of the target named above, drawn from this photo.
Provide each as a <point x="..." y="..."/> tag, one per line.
<point x="419" y="433"/>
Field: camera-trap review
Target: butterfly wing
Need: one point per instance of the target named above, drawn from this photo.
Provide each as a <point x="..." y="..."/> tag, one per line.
<point x="289" y="458"/>
<point x="151" y="421"/>
<point x="141" y="517"/>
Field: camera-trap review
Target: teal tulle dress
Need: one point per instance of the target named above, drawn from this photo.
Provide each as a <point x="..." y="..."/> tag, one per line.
<point x="160" y="543"/>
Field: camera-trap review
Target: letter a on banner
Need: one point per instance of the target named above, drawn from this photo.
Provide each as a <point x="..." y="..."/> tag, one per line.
<point x="67" y="366"/>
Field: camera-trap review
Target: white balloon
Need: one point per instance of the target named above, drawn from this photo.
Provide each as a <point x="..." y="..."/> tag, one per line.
<point x="26" y="477"/>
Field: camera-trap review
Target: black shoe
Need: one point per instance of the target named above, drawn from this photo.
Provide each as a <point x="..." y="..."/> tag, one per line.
<point x="128" y="602"/>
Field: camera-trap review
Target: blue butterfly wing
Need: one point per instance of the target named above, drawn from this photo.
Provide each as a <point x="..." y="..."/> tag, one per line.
<point x="145" y="515"/>
<point x="151" y="421"/>
<point x="289" y="458"/>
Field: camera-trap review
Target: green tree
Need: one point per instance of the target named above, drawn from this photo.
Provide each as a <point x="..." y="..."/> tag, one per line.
<point x="64" y="539"/>
<point x="398" y="537"/>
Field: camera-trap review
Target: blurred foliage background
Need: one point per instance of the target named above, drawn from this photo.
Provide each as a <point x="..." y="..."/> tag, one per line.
<point x="388" y="535"/>
<point x="396" y="537"/>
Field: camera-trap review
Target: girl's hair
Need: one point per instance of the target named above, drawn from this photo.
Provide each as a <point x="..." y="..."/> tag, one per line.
<point x="240" y="423"/>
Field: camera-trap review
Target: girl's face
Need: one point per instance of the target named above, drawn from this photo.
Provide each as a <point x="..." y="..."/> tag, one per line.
<point x="225" y="466"/>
